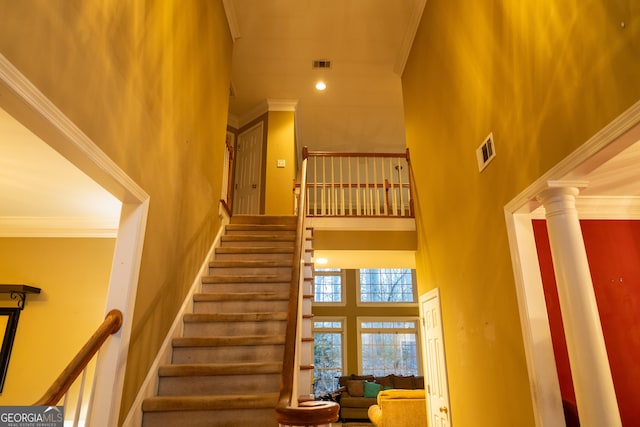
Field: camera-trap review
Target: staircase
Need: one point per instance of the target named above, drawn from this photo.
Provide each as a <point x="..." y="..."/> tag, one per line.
<point x="225" y="368"/>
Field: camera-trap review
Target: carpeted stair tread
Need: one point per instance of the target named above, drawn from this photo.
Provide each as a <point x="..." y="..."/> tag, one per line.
<point x="213" y="402"/>
<point x="249" y="263"/>
<point x="264" y="219"/>
<point x="235" y="317"/>
<point x="246" y="278"/>
<point x="204" y="369"/>
<point x="254" y="249"/>
<point x="241" y="296"/>
<point x="257" y="238"/>
<point x="222" y="341"/>
<point x="261" y="227"/>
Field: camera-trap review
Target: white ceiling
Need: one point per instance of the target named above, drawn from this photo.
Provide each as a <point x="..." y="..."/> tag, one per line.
<point x="43" y="194"/>
<point x="367" y="42"/>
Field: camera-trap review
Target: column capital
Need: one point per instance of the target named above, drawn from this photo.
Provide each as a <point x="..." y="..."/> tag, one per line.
<point x="563" y="183"/>
<point x="560" y="196"/>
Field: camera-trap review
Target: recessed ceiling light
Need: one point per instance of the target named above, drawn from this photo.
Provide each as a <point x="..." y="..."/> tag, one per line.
<point x="321" y="86"/>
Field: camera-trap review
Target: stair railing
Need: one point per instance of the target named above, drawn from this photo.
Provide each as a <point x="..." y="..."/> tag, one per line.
<point x="359" y="184"/>
<point x="290" y="412"/>
<point x="78" y="365"/>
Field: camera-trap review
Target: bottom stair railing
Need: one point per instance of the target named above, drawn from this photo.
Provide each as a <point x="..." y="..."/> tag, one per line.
<point x="289" y="411"/>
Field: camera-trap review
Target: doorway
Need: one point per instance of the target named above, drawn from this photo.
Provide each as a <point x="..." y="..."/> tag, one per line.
<point x="608" y="162"/>
<point x="23" y="101"/>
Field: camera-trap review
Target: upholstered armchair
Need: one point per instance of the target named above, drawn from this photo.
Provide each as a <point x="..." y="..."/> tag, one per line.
<point x="399" y="408"/>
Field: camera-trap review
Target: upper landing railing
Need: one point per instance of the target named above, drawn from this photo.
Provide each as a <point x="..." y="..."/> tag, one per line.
<point x="358" y="184"/>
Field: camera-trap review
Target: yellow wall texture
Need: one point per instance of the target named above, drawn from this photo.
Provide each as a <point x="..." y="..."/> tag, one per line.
<point x="74" y="276"/>
<point x="280" y="146"/>
<point x="543" y="76"/>
<point x="364" y="240"/>
<point x="148" y="82"/>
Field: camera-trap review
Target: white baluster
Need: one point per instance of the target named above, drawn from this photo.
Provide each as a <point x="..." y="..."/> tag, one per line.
<point x="358" y="186"/>
<point x="324" y="182"/>
<point x="375" y="209"/>
<point x="400" y="186"/>
<point x="367" y="195"/>
<point x="341" y="188"/>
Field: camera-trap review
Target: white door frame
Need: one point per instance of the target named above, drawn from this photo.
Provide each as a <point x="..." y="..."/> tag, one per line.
<point x="20" y="98"/>
<point x="433" y="294"/>
<point x="543" y="380"/>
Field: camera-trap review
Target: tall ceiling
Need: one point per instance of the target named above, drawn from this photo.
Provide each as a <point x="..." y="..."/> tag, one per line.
<point x="367" y="43"/>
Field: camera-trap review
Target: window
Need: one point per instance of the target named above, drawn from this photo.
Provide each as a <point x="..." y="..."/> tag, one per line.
<point x="327" y="286"/>
<point x="388" y="346"/>
<point x="328" y="354"/>
<point x="387" y="285"/>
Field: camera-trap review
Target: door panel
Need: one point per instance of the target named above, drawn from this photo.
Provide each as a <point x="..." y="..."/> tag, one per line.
<point x="436" y="384"/>
<point x="248" y="182"/>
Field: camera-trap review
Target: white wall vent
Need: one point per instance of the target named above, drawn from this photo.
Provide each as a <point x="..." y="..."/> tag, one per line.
<point x="485" y="152"/>
<point x="321" y="63"/>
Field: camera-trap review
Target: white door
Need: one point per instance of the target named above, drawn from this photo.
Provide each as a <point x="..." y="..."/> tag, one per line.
<point x="436" y="385"/>
<point x="246" y="195"/>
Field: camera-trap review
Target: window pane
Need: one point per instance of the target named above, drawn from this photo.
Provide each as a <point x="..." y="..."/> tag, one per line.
<point x="327" y="325"/>
<point x="327" y="286"/>
<point x="386" y="285"/>
<point x="389" y="353"/>
<point x="327" y="360"/>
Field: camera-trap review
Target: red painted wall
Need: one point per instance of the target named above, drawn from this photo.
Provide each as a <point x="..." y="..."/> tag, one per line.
<point x="613" y="252"/>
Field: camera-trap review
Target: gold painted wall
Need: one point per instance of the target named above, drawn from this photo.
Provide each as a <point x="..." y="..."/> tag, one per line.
<point x="543" y="76"/>
<point x="148" y="82"/>
<point x="74" y="276"/>
<point x="280" y="146"/>
<point x="364" y="240"/>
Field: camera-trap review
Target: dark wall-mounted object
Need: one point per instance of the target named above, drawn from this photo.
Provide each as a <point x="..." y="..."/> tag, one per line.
<point x="17" y="293"/>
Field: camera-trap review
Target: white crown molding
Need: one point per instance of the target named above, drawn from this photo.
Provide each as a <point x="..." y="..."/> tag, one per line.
<point x="282" y="104"/>
<point x="409" y="36"/>
<point x="232" y="19"/>
<point x="254" y="113"/>
<point x="265" y="106"/>
<point x="58" y="227"/>
<point x="233" y="121"/>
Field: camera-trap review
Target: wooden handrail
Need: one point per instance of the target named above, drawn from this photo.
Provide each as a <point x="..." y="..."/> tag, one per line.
<point x="361" y="186"/>
<point x="412" y="189"/>
<point x="288" y="412"/>
<point x="111" y="324"/>
<point x="354" y="154"/>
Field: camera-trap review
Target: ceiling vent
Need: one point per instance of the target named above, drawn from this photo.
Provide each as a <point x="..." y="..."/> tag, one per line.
<point x="321" y="64"/>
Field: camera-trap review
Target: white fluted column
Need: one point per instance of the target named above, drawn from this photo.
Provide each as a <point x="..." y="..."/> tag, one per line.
<point x="595" y="395"/>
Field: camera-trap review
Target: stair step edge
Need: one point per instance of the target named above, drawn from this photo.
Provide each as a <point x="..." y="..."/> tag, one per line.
<point x="210" y="402"/>
<point x="238" y="317"/>
<point x="241" y="296"/>
<point x="218" y="369"/>
<point x="227" y="341"/>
